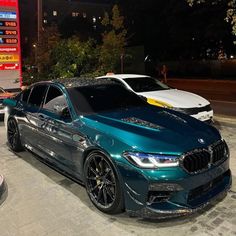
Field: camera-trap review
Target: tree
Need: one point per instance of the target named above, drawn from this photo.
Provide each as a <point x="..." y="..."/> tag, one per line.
<point x="230" y="14"/>
<point x="113" y="41"/>
<point x="38" y="65"/>
<point x="49" y="38"/>
<point x="73" y="57"/>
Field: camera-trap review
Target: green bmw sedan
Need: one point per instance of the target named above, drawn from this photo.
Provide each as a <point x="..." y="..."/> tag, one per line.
<point x="131" y="156"/>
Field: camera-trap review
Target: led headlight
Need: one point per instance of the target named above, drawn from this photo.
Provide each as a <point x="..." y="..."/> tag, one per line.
<point x="151" y="161"/>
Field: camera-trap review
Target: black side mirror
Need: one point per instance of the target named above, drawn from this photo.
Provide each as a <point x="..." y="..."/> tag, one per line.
<point x="62" y="111"/>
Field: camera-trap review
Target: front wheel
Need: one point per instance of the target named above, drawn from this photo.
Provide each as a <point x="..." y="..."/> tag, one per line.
<point x="102" y="183"/>
<point x="13" y="136"/>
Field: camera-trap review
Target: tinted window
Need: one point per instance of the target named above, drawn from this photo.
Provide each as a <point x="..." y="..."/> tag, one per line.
<point x="37" y="95"/>
<point x="145" y="84"/>
<point x="93" y="99"/>
<point x="25" y="95"/>
<point x="56" y="103"/>
<point x="54" y="97"/>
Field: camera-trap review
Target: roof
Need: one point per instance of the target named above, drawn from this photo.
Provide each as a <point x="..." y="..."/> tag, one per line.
<point x="81" y="82"/>
<point x="123" y="76"/>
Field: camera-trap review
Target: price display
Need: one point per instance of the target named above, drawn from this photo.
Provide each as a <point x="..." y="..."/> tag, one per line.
<point x="8" y="32"/>
<point x="8" y="41"/>
<point x="8" y="23"/>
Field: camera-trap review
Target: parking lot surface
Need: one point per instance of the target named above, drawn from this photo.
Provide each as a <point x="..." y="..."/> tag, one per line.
<point x="43" y="202"/>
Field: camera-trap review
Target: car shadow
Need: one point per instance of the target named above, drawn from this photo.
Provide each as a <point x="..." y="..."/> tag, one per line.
<point x="79" y="191"/>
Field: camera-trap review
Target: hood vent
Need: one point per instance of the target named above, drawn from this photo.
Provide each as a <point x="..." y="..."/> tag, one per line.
<point x="137" y="121"/>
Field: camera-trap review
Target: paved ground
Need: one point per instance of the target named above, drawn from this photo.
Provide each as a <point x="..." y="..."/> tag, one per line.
<point x="43" y="202"/>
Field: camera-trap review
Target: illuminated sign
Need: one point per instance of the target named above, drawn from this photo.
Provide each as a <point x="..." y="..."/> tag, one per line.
<point x="9" y="66"/>
<point x="8" y="58"/>
<point x="8" y="41"/>
<point x="8" y="49"/>
<point x="8" y="23"/>
<point x="8" y="32"/>
<point x="8" y="3"/>
<point x="10" y="52"/>
<point x="7" y="15"/>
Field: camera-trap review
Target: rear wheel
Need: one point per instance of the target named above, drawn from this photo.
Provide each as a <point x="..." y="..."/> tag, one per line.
<point x="102" y="183"/>
<point x="13" y="136"/>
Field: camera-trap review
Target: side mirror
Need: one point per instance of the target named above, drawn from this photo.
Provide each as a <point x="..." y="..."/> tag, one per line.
<point x="62" y="111"/>
<point x="9" y="102"/>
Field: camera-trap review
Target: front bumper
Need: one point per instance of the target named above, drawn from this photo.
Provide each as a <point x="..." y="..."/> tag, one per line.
<point x="153" y="213"/>
<point x="205" y="116"/>
<point x="3" y="189"/>
<point x="183" y="194"/>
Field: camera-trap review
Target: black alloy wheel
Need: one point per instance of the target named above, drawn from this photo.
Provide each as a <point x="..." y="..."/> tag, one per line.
<point x="13" y="136"/>
<point x="102" y="183"/>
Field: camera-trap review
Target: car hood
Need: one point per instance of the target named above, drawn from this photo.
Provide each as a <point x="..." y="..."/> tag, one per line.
<point x="152" y="129"/>
<point x="177" y="98"/>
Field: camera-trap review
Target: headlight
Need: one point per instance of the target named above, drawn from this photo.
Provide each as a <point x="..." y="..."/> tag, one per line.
<point x="151" y="161"/>
<point x="158" y="103"/>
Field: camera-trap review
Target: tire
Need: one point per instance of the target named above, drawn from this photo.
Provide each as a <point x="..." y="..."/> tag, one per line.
<point x="13" y="136"/>
<point x="102" y="184"/>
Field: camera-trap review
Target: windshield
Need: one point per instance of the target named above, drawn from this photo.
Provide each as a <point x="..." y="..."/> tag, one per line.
<point x="100" y="98"/>
<point x="145" y="84"/>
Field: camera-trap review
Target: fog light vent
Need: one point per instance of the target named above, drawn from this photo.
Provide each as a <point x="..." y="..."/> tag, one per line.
<point x="157" y="197"/>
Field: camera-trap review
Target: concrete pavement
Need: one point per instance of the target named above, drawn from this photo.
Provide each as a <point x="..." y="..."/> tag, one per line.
<point x="43" y="202"/>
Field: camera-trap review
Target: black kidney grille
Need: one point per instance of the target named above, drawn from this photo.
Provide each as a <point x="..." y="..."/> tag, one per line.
<point x="219" y="152"/>
<point x="200" y="159"/>
<point x="197" y="161"/>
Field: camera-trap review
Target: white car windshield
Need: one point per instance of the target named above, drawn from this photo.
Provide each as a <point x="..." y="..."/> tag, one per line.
<point x="145" y="84"/>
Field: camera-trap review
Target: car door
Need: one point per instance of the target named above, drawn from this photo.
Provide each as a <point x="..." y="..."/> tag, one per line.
<point x="57" y="129"/>
<point x="28" y="107"/>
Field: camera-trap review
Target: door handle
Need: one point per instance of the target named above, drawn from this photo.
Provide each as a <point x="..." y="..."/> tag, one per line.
<point x="41" y="117"/>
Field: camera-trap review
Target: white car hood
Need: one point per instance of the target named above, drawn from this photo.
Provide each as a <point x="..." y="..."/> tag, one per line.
<point x="177" y="98"/>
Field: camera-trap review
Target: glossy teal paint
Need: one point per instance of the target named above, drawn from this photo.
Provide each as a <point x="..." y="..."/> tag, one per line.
<point x="148" y="130"/>
<point x="9" y="102"/>
<point x="172" y="137"/>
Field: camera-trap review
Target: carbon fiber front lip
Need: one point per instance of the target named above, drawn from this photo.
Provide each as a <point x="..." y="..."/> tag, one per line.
<point x="150" y="213"/>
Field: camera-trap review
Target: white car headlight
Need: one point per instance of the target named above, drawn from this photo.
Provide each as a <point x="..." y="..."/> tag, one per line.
<point x="151" y="161"/>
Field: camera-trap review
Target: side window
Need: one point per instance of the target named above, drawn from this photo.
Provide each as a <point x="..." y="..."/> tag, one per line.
<point x="56" y="103"/>
<point x="25" y="95"/>
<point x="37" y="95"/>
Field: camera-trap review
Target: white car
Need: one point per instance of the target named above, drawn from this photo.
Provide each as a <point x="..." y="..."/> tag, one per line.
<point x="160" y="94"/>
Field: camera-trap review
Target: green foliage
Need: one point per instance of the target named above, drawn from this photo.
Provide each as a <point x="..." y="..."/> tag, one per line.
<point x="49" y="38"/>
<point x="72" y="57"/>
<point x="56" y="57"/>
<point x="230" y="14"/>
<point x="113" y="41"/>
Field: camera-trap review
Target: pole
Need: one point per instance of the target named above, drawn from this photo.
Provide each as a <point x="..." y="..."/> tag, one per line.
<point x="122" y="63"/>
<point x="40" y="14"/>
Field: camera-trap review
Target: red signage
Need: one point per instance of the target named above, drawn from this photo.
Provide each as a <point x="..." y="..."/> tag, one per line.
<point x="8" y="3"/>
<point x="8" y="49"/>
<point x="10" y="52"/>
<point x="9" y="66"/>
